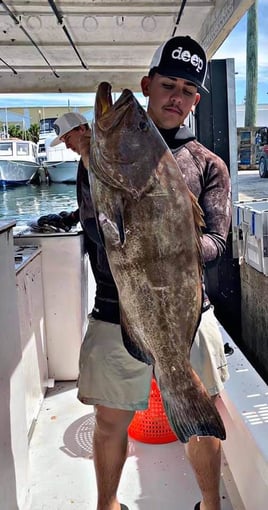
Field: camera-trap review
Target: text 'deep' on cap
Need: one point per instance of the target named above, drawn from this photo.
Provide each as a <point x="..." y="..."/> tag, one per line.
<point x="181" y="57"/>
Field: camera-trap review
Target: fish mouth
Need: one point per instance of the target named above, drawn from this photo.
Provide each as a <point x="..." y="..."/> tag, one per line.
<point x="117" y="129"/>
<point x="104" y="99"/>
<point x="104" y="106"/>
<point x="109" y="115"/>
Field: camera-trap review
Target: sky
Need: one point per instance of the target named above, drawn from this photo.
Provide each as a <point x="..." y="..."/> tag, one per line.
<point x="233" y="47"/>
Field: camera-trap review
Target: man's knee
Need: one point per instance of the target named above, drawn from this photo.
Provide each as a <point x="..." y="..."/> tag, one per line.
<point x="111" y="421"/>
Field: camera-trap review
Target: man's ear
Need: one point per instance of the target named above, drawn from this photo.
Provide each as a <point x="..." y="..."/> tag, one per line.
<point x="197" y="99"/>
<point x="145" y="82"/>
<point x="83" y="128"/>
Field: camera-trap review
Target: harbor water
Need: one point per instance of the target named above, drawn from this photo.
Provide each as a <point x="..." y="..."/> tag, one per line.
<point x="27" y="203"/>
<point x="24" y="204"/>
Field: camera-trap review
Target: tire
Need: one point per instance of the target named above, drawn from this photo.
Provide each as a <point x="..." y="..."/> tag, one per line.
<point x="263" y="170"/>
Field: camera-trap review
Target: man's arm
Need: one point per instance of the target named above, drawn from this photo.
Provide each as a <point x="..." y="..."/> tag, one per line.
<point x="215" y="201"/>
<point x="207" y="176"/>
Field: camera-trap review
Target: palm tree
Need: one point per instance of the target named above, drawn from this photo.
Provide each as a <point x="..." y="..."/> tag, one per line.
<point x="15" y="131"/>
<point x="252" y="66"/>
<point x="34" y="132"/>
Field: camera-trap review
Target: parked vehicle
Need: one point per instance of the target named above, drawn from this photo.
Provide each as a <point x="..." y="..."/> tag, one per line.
<point x="262" y="151"/>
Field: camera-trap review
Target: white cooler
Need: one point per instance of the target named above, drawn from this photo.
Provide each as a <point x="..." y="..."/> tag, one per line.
<point x="250" y="222"/>
<point x="69" y="290"/>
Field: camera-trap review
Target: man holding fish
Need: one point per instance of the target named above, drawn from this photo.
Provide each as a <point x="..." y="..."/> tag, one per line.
<point x="150" y="225"/>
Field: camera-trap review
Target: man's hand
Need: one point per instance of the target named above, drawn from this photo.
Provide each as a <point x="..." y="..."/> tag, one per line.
<point x="63" y="221"/>
<point x="68" y="218"/>
<point x="84" y="147"/>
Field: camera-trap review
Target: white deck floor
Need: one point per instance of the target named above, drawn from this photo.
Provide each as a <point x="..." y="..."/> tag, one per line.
<point x="155" y="477"/>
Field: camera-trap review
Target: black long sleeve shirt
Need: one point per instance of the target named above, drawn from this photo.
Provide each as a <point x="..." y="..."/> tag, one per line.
<point x="206" y="176"/>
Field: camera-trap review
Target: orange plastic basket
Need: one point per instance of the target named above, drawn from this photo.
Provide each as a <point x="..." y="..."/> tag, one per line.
<point x="151" y="425"/>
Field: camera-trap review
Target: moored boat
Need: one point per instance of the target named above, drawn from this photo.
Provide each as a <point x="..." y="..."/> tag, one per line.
<point x="46" y="130"/>
<point x="62" y="171"/>
<point x="18" y="161"/>
<point x="61" y="163"/>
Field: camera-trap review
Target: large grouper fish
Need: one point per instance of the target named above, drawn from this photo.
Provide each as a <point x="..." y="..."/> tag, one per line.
<point x="150" y="224"/>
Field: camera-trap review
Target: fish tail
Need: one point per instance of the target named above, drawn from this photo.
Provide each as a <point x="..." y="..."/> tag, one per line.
<point x="191" y="412"/>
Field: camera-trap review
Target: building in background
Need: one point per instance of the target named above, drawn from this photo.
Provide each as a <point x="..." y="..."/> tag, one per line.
<point x="24" y="117"/>
<point x="261" y="117"/>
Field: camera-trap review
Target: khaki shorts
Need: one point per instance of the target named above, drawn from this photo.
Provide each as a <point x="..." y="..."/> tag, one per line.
<point x="207" y="354"/>
<point x="108" y="374"/>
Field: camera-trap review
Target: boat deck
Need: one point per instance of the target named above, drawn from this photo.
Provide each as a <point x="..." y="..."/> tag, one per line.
<point x="62" y="472"/>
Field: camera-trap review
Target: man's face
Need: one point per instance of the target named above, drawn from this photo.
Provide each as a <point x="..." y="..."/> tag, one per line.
<point x="72" y="139"/>
<point x="170" y="99"/>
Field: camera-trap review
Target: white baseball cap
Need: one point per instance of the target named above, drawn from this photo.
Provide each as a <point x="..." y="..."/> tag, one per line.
<point x="66" y="123"/>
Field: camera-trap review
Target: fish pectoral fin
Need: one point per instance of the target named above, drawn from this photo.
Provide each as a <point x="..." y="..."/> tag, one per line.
<point x="120" y="226"/>
<point x="109" y="230"/>
<point x="118" y="214"/>
<point x="112" y="223"/>
<point x="113" y="230"/>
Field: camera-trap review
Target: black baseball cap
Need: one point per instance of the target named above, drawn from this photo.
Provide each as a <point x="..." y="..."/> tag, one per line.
<point x="181" y="57"/>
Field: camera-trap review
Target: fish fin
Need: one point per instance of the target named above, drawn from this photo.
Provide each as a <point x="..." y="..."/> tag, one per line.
<point x="134" y="350"/>
<point x="191" y="413"/>
<point x="199" y="222"/>
<point x="119" y="219"/>
<point x="100" y="232"/>
<point x="113" y="227"/>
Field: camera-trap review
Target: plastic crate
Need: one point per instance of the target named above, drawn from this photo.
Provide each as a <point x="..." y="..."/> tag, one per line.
<point x="151" y="425"/>
<point x="250" y="222"/>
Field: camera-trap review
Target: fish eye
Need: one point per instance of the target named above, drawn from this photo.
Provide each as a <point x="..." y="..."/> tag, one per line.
<point x="143" y="126"/>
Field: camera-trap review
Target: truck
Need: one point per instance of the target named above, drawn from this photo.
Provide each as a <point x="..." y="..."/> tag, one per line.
<point x="262" y="151"/>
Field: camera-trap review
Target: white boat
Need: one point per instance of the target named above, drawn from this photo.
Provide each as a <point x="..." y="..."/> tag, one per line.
<point x="46" y="130"/>
<point x="46" y="432"/>
<point x="61" y="163"/>
<point x="18" y="161"/>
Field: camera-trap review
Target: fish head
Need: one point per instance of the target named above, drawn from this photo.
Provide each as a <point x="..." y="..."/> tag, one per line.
<point x="123" y="136"/>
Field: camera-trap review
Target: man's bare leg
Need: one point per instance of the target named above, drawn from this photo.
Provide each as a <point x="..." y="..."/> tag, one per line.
<point x="204" y="454"/>
<point x="110" y="443"/>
